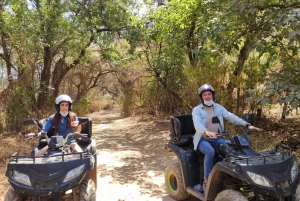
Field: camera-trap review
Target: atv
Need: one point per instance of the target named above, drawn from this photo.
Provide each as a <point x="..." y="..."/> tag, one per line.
<point x="239" y="172"/>
<point x="59" y="174"/>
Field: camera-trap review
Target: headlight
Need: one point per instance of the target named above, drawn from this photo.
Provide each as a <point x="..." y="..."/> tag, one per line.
<point x="21" y="178"/>
<point x="294" y="171"/>
<point x="259" y="179"/>
<point x="74" y="173"/>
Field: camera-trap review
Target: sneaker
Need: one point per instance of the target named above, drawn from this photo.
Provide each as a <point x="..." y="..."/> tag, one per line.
<point x="197" y="187"/>
<point x="204" y="187"/>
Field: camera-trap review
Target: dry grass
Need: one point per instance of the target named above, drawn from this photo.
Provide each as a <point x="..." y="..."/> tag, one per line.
<point x="14" y="144"/>
<point x="105" y="103"/>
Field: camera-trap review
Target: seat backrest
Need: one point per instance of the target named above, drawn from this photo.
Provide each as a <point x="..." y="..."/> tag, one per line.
<point x="86" y="128"/>
<point x="181" y="125"/>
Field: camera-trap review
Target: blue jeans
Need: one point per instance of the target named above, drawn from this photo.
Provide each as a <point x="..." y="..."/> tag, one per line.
<point x="207" y="147"/>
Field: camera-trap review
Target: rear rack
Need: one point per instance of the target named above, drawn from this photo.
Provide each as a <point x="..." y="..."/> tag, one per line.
<point x="16" y="156"/>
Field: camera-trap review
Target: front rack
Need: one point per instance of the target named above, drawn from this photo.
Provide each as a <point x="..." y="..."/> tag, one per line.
<point x="16" y="156"/>
<point x="264" y="158"/>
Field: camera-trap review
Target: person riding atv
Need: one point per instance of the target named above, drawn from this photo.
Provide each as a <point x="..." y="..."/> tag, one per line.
<point x="238" y="172"/>
<point x="205" y="138"/>
<point x="55" y="170"/>
<point x="63" y="122"/>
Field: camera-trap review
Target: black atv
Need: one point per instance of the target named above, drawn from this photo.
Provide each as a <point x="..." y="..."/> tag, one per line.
<point x="59" y="174"/>
<point x="239" y="172"/>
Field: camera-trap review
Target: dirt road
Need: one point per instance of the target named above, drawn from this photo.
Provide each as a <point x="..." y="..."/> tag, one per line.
<point x="131" y="157"/>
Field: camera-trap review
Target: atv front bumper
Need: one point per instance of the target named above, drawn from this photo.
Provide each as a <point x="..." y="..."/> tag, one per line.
<point x="48" y="176"/>
<point x="279" y="171"/>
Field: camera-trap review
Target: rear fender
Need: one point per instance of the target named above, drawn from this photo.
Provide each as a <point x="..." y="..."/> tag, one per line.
<point x="188" y="161"/>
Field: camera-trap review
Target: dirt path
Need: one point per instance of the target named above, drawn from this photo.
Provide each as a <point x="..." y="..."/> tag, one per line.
<point x="131" y="157"/>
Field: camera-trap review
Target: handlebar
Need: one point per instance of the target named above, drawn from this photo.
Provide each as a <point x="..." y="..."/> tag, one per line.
<point x="282" y="146"/>
<point x="222" y="134"/>
<point x="225" y="133"/>
<point x="75" y="135"/>
<point x="71" y="137"/>
<point x="36" y="135"/>
<point x="78" y="135"/>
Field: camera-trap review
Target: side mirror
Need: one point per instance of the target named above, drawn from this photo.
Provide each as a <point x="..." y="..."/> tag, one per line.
<point x="29" y="122"/>
<point x="249" y="117"/>
<point x="215" y="120"/>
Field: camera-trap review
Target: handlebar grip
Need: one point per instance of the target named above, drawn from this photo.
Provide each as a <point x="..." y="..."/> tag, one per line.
<point x="283" y="146"/>
<point x="35" y="135"/>
<point x="222" y="134"/>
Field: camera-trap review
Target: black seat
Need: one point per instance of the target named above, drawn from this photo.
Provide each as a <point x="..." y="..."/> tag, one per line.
<point x="182" y="129"/>
<point x="182" y="132"/>
<point x="86" y="128"/>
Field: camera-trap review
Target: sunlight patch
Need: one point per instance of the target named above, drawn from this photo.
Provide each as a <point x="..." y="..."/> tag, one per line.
<point x="116" y="159"/>
<point x="156" y="177"/>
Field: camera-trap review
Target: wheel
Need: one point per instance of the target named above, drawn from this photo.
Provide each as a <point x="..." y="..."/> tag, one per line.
<point x="230" y="195"/>
<point x="297" y="196"/>
<point x="11" y="195"/>
<point x="87" y="190"/>
<point x="174" y="183"/>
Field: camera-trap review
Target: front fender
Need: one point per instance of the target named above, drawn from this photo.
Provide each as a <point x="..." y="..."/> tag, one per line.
<point x="220" y="167"/>
<point x="219" y="173"/>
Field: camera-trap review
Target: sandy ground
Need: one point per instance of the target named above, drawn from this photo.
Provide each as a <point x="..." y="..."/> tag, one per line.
<point x="131" y="158"/>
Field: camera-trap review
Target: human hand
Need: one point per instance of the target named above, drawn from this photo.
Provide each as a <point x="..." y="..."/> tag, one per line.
<point x="255" y="128"/>
<point x="74" y="123"/>
<point x="30" y="135"/>
<point x="211" y="135"/>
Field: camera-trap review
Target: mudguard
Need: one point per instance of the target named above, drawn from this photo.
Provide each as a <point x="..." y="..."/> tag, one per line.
<point x="189" y="163"/>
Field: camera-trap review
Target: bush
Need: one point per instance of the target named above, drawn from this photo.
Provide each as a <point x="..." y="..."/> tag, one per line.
<point x="105" y="102"/>
<point x="81" y="107"/>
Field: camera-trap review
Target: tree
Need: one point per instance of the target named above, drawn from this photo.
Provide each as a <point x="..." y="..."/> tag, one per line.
<point x="230" y="44"/>
<point x="42" y="41"/>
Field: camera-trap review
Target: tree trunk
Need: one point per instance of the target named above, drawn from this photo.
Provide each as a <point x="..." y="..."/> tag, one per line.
<point x="233" y="83"/>
<point x="6" y="58"/>
<point x="45" y="78"/>
<point x="60" y="70"/>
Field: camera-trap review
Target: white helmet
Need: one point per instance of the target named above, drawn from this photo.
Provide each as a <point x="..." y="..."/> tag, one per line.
<point x="63" y="98"/>
<point x="206" y="87"/>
